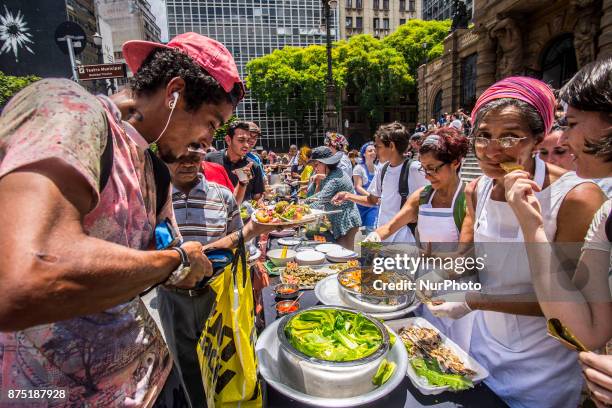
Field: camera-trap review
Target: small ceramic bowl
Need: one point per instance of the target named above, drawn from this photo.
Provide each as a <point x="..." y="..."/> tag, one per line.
<point x="282" y="307"/>
<point x="286" y="290"/>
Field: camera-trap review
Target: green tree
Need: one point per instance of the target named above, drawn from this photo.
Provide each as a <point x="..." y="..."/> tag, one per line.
<point x="292" y="80"/>
<point x="410" y="37"/>
<point x="376" y="74"/>
<point x="222" y="130"/>
<point x="10" y="85"/>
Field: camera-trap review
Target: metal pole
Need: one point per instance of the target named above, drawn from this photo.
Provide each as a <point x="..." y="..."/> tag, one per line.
<point x="329" y="42"/>
<point x="72" y="59"/>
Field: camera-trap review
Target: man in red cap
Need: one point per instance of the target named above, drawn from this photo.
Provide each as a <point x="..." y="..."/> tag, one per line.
<point x="70" y="314"/>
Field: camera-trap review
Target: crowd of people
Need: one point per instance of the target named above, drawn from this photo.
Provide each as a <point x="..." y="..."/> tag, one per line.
<point x="92" y="219"/>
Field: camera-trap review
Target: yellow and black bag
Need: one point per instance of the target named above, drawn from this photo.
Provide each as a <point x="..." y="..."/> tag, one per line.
<point x="226" y="349"/>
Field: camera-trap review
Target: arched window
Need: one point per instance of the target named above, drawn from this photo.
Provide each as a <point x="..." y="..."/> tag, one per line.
<point x="559" y="61"/>
<point x="436" y="110"/>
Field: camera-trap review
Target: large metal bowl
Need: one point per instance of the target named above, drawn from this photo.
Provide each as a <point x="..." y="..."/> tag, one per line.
<point x="329" y="379"/>
<point x="379" y="301"/>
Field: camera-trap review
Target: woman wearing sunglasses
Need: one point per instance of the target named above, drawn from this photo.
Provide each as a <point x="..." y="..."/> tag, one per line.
<point x="509" y="336"/>
<point x="580" y="299"/>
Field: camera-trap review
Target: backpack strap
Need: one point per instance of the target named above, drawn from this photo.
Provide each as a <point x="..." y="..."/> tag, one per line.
<point x="162" y="181"/>
<point x="403" y="181"/>
<point x="460" y="208"/>
<point x="106" y="160"/>
<point x="383" y="171"/>
<point x="425" y="195"/>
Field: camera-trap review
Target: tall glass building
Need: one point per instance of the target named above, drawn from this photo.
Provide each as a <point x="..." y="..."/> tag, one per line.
<point x="250" y="29"/>
<point x="442" y="9"/>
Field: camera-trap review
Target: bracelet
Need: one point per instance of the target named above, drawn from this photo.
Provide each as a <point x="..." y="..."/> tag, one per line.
<point x="182" y="271"/>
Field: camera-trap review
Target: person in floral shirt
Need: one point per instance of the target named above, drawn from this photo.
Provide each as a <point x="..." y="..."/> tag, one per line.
<point x="78" y="225"/>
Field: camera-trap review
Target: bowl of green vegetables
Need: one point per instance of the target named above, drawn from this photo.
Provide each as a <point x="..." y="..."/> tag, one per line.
<point x="330" y="351"/>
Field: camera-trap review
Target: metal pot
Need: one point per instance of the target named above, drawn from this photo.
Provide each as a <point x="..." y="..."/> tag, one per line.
<point x="329" y="379"/>
<point x="380" y="302"/>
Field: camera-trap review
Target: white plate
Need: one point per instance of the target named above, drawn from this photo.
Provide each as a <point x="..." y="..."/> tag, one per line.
<point x="327" y="292"/>
<point x="267" y="349"/>
<point x="325" y="248"/>
<point x="255" y="255"/>
<point x="421" y="383"/>
<point x="309" y="257"/>
<point x="288" y="241"/>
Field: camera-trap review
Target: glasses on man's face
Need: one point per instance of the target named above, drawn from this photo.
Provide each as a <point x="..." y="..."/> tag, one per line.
<point x="432" y="171"/>
<point x="504" y="142"/>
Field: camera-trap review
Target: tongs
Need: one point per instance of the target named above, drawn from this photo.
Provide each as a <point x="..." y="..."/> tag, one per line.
<point x="557" y="330"/>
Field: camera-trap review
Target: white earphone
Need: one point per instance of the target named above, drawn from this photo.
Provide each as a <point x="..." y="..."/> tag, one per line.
<point x="175" y="95"/>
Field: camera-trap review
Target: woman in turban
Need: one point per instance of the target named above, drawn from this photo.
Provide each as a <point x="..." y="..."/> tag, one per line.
<point x="509" y="335"/>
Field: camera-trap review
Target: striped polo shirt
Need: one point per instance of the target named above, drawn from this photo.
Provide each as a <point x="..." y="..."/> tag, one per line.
<point x="209" y="212"/>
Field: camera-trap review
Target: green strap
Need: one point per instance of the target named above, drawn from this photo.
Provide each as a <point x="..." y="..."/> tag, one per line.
<point x="426" y="194"/>
<point x="460" y="208"/>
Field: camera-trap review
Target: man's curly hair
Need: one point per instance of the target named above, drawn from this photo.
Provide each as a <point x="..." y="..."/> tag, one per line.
<point x="163" y="64"/>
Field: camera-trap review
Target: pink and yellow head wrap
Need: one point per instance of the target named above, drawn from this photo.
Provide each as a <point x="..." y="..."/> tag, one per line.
<point x="533" y="91"/>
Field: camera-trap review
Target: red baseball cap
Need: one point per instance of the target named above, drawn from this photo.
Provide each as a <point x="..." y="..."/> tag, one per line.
<point x="210" y="54"/>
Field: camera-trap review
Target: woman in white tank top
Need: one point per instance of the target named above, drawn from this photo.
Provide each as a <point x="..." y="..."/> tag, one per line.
<point x="581" y="300"/>
<point x="509" y="332"/>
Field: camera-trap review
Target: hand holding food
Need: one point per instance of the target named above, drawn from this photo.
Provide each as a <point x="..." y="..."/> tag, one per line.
<point x="520" y="195"/>
<point x="443" y="307"/>
<point x="373" y="237"/>
<point x="598" y="373"/>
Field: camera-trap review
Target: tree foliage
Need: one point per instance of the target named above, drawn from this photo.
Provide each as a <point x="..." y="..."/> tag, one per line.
<point x="375" y="73"/>
<point x="10" y="85"/>
<point x="292" y="80"/>
<point x="410" y="37"/>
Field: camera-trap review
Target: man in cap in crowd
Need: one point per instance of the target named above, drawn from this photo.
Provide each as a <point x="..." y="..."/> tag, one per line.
<point x="70" y="277"/>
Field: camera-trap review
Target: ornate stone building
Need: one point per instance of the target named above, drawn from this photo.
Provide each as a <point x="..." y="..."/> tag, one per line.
<point x="546" y="39"/>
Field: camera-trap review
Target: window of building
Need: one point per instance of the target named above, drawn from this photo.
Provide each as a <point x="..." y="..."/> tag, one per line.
<point x="468" y="82"/>
<point x="376" y="23"/>
<point x="349" y="22"/>
<point x="411" y="5"/>
<point x="358" y="4"/>
<point x="436" y="110"/>
<point x="559" y="62"/>
<point x="386" y="4"/>
<point x="386" y="23"/>
<point x="359" y="22"/>
<point x="402" y="21"/>
<point x="402" y="5"/>
<point x="376" y="4"/>
<point x="349" y="3"/>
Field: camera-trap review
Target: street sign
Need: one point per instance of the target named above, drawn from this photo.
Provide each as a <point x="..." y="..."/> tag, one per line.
<point x="69" y="31"/>
<point x="101" y="71"/>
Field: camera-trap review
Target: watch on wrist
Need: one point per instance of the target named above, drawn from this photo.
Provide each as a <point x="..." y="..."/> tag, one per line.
<point x="182" y="271"/>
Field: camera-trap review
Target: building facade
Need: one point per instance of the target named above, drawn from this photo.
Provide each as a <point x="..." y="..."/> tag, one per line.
<point x="378" y="18"/>
<point x="129" y="20"/>
<point x="442" y="9"/>
<point x="251" y="29"/>
<point x="549" y="40"/>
